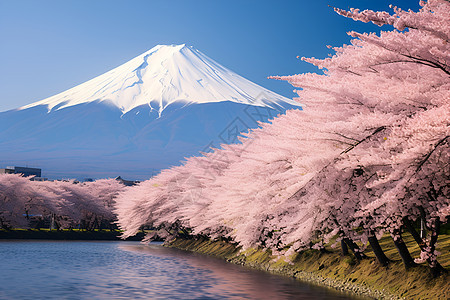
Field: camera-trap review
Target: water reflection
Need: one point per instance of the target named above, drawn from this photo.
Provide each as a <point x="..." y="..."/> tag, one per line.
<point x="129" y="270"/>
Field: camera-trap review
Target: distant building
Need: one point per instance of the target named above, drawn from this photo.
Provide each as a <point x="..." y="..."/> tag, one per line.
<point x="21" y="170"/>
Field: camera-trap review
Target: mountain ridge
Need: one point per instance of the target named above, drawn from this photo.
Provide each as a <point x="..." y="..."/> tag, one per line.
<point x="161" y="76"/>
<point x="138" y="118"/>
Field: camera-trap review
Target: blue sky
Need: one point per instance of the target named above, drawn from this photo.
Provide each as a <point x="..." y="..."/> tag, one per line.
<point x="49" y="46"/>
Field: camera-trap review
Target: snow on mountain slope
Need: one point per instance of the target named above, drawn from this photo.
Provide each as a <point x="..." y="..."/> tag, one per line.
<point x="164" y="75"/>
<point x="145" y="115"/>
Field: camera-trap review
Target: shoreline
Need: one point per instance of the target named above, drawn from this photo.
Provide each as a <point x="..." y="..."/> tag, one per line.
<point x="331" y="270"/>
<point x="73" y="235"/>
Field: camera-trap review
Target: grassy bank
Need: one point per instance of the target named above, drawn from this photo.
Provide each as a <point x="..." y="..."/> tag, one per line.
<point x="344" y="273"/>
<point x="75" y="234"/>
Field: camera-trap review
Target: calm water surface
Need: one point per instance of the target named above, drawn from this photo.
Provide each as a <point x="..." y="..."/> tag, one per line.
<point x="130" y="270"/>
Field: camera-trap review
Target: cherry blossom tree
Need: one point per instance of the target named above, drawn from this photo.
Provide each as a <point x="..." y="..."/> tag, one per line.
<point x="401" y="79"/>
<point x="21" y="199"/>
<point x="67" y="201"/>
<point x="89" y="202"/>
<point x="369" y="151"/>
<point x="169" y="200"/>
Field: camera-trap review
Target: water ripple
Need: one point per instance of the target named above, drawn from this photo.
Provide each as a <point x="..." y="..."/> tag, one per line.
<point x="129" y="270"/>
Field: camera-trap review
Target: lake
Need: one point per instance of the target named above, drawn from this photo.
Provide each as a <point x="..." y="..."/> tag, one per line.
<point x="130" y="270"/>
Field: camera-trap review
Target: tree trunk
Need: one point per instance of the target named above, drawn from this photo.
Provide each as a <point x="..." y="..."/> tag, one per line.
<point x="52" y="222"/>
<point x="355" y="249"/>
<point x="437" y="269"/>
<point x="414" y="233"/>
<point x="344" y="248"/>
<point x="408" y="261"/>
<point x="422" y="228"/>
<point x="3" y="224"/>
<point x="423" y="216"/>
<point x="378" y="251"/>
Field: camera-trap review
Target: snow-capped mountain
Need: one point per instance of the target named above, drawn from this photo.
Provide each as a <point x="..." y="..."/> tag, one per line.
<point x="149" y="113"/>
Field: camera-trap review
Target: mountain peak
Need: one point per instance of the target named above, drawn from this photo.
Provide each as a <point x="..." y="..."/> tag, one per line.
<point x="161" y="76"/>
<point x="173" y="48"/>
